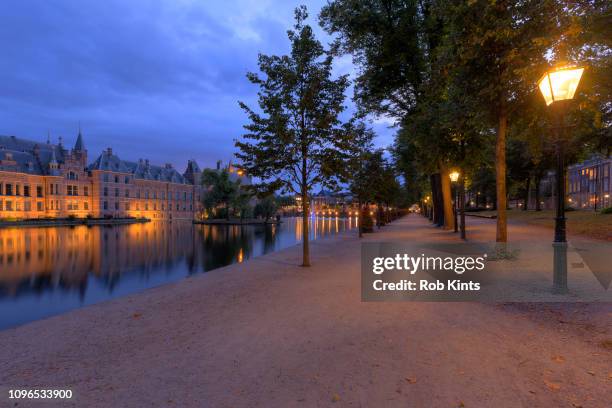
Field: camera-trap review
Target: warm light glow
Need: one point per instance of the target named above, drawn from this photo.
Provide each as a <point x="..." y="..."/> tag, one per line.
<point x="607" y="196"/>
<point x="560" y="83"/>
<point x="454" y="176"/>
<point x="240" y="172"/>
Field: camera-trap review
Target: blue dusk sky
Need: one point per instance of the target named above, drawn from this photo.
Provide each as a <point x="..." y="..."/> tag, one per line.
<point x="156" y="79"/>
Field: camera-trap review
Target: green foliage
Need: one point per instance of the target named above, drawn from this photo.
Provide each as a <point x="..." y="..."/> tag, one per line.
<point x="221" y="191"/>
<point x="295" y="140"/>
<point x="607" y="210"/>
<point x="266" y="207"/>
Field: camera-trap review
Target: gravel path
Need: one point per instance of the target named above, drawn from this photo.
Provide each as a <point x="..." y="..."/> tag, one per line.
<point x="267" y="333"/>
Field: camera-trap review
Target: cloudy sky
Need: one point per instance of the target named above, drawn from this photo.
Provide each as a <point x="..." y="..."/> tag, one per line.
<point x="157" y="79"/>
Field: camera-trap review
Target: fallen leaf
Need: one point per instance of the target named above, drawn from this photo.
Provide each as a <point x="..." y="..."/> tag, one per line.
<point x="136" y="315"/>
<point x="411" y="380"/>
<point x="558" y="359"/>
<point x="607" y="344"/>
<point x="591" y="372"/>
<point x="335" y="398"/>
<point x="461" y="404"/>
<point x="553" y="386"/>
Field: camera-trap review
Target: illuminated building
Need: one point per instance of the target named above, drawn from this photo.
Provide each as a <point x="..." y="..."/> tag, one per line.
<point x="45" y="180"/>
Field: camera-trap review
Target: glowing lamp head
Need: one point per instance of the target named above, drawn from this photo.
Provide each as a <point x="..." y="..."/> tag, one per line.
<point x="560" y="83"/>
<point x="454" y="176"/>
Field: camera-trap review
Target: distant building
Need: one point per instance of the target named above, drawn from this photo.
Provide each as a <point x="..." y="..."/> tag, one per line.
<point x="590" y="184"/>
<point x="44" y="180"/>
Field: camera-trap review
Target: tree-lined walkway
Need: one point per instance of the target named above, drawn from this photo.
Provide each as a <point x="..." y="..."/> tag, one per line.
<point x="269" y="333"/>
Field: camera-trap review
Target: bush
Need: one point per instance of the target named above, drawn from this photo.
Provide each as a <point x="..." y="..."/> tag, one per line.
<point x="607" y="210"/>
<point x="367" y="221"/>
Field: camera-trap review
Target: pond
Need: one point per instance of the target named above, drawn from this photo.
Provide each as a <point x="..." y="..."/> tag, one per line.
<point x="48" y="271"/>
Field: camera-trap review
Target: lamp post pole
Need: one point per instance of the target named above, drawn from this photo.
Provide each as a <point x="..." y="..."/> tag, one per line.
<point x="462" y="204"/>
<point x="558" y="87"/>
<point x="560" y="240"/>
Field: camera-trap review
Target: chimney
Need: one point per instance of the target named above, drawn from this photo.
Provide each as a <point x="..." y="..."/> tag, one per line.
<point x="109" y="151"/>
<point x="218" y="164"/>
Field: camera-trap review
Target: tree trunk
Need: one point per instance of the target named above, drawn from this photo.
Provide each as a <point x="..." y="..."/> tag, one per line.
<point x="447" y="200"/>
<point x="538" y="207"/>
<point x="500" y="178"/>
<point x="360" y="220"/>
<point x="527" y="186"/>
<point x="305" y="243"/>
<point x="436" y="196"/>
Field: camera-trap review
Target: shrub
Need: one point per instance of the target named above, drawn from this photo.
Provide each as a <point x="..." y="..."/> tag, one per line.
<point x="607" y="210"/>
<point x="367" y="221"/>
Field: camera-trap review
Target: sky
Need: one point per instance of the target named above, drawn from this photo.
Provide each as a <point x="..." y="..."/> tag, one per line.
<point x="156" y="79"/>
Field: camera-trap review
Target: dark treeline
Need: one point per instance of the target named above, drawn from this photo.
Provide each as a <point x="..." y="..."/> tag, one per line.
<point x="459" y="78"/>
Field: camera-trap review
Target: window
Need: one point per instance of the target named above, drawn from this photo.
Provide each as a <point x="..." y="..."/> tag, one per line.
<point x="9" y="191"/>
<point x="116" y="179"/>
<point x="1" y="189"/>
<point x="9" y="206"/>
<point x="127" y="206"/>
<point x="147" y="194"/>
<point x="1" y="205"/>
<point x="163" y="195"/>
<point x="184" y="196"/>
<point x="127" y="193"/>
<point x="105" y="205"/>
<point x="85" y="205"/>
<point x="116" y="192"/>
<point x="26" y="190"/>
<point x="105" y="177"/>
<point x="72" y="175"/>
<point x="127" y="179"/>
<point x="72" y="190"/>
<point x="39" y="191"/>
<point x="146" y="206"/>
<point x="39" y="206"/>
<point x="17" y="189"/>
<point x="85" y="191"/>
<point x="105" y="191"/>
<point x="116" y="205"/>
<point x="138" y="193"/>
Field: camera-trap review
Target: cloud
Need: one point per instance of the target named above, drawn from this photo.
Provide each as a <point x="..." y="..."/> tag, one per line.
<point x="157" y="79"/>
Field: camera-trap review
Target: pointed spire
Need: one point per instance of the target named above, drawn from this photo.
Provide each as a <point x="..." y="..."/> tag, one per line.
<point x="79" y="145"/>
<point x="48" y="137"/>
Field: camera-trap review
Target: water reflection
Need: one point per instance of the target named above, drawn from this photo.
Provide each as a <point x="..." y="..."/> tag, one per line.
<point x="46" y="271"/>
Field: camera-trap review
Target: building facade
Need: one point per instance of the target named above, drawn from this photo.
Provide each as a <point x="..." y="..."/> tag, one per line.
<point x="590" y="184"/>
<point x="44" y="180"/>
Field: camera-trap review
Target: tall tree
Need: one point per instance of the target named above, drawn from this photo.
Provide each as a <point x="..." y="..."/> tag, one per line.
<point x="295" y="140"/>
<point x="220" y="190"/>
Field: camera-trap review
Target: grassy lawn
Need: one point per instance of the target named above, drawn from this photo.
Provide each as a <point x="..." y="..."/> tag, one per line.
<point x="588" y="223"/>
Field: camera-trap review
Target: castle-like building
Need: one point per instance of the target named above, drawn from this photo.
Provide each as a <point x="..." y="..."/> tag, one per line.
<point x="45" y="180"/>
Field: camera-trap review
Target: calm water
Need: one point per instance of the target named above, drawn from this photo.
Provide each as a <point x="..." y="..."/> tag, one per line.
<point x="48" y="271"/>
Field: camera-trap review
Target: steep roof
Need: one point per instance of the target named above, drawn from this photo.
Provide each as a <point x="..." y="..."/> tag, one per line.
<point x="27" y="156"/>
<point x="142" y="169"/>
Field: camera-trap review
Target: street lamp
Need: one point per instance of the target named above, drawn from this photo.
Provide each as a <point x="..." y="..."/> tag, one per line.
<point x="454" y="176"/>
<point x="558" y="87"/>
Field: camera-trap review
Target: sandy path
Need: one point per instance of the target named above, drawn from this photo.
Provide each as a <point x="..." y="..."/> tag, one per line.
<point x="269" y="334"/>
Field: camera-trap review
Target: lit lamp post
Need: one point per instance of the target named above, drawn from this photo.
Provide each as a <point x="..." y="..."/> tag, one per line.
<point x="558" y="87"/>
<point x="454" y="177"/>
